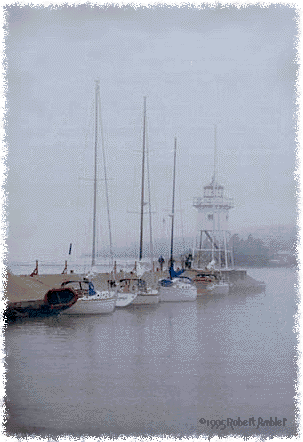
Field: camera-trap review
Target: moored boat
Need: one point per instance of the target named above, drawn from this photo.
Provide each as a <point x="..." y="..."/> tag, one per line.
<point x="202" y="281"/>
<point x="126" y="292"/>
<point x="209" y="283"/>
<point x="125" y="299"/>
<point x="176" y="287"/>
<point x="143" y="294"/>
<point x="30" y="297"/>
<point x="92" y="305"/>
<point x="151" y="296"/>
<point x="91" y="301"/>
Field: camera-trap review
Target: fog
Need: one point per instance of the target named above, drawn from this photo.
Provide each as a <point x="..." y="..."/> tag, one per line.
<point x="233" y="67"/>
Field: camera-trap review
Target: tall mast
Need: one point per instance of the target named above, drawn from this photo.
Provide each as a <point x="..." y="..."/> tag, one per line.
<point x="215" y="155"/>
<point x="214" y="192"/>
<point x="142" y="186"/>
<point x="106" y="185"/>
<point x="149" y="210"/>
<point x="95" y="174"/>
<point x="182" y="230"/>
<point x="173" y="206"/>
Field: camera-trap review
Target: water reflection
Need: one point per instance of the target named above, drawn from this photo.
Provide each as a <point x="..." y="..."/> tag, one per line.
<point x="156" y="370"/>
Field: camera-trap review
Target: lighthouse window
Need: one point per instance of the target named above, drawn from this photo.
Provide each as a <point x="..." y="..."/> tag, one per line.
<point x="210" y="216"/>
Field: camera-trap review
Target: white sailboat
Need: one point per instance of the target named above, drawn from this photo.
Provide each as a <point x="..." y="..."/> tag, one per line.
<point x="176" y="287"/>
<point x="217" y="286"/>
<point x="128" y="291"/>
<point x="91" y="301"/>
<point x="202" y="280"/>
<point x="208" y="283"/>
<point x="143" y="294"/>
<point x="125" y="299"/>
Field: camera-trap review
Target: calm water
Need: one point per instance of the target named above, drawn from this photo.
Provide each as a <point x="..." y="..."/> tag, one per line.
<point x="158" y="370"/>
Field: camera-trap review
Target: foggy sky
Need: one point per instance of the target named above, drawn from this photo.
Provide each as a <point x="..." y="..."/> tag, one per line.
<point x="197" y="67"/>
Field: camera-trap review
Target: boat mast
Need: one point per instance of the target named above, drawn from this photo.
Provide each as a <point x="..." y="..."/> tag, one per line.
<point x="214" y="193"/>
<point x="182" y="230"/>
<point x="106" y="185"/>
<point x="95" y="174"/>
<point x="142" y="186"/>
<point x="215" y="155"/>
<point x="173" y="207"/>
<point x="149" y="210"/>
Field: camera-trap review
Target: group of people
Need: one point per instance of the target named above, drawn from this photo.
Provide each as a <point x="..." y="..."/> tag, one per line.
<point x="186" y="261"/>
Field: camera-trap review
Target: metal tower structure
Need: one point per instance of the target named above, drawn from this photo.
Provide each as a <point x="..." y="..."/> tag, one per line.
<point x="212" y="224"/>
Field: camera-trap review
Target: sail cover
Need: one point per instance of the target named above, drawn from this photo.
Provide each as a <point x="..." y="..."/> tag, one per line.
<point x="173" y="273"/>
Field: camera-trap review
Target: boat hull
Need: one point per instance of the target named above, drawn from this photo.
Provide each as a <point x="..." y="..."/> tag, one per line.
<point x="125" y="299"/>
<point x="54" y="302"/>
<point x="135" y="291"/>
<point x="39" y="311"/>
<point x="147" y="298"/>
<point x="92" y="305"/>
<point x="178" y="292"/>
<point x="202" y="287"/>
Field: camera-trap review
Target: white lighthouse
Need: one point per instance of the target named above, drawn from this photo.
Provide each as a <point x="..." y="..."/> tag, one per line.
<point x="212" y="225"/>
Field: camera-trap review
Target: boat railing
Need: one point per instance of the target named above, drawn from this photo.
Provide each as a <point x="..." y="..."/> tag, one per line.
<point x="213" y="201"/>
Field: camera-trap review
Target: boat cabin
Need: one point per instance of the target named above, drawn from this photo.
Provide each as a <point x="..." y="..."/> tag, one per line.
<point x="82" y="287"/>
<point x="130" y="284"/>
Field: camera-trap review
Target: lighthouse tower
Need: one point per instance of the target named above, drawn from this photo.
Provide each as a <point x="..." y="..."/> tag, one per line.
<point x="212" y="225"/>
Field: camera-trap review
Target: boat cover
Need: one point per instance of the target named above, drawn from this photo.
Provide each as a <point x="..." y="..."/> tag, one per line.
<point x="173" y="273"/>
<point x="32" y="288"/>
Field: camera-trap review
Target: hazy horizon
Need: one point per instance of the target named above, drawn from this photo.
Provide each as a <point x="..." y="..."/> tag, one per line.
<point x="161" y="246"/>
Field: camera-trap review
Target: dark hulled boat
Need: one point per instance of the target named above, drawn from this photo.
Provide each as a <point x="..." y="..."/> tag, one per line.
<point x="30" y="296"/>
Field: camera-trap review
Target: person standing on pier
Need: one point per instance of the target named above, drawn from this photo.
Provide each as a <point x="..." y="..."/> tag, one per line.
<point x="161" y="261"/>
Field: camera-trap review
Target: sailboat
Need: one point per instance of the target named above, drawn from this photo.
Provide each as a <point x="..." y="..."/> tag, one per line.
<point x="176" y="287"/>
<point x="135" y="285"/>
<point x="91" y="301"/>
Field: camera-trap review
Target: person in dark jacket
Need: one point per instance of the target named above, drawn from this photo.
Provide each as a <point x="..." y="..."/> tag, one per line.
<point x="190" y="258"/>
<point x="187" y="263"/>
<point x="161" y="261"/>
